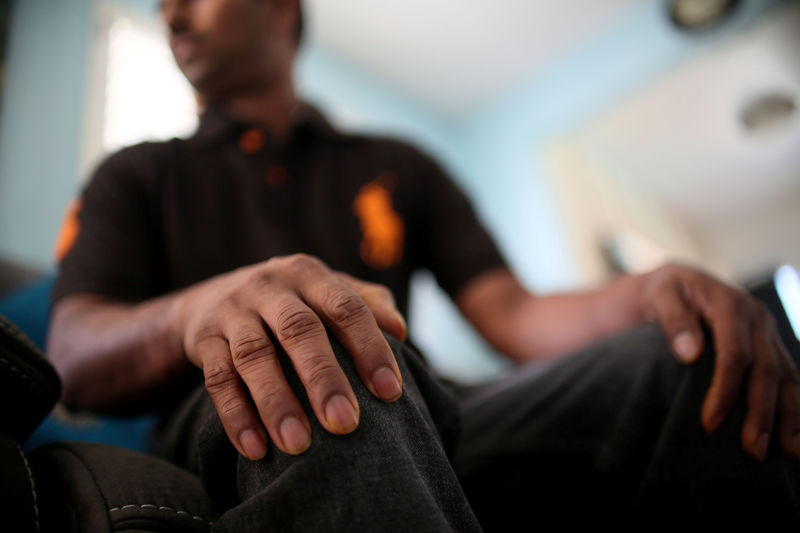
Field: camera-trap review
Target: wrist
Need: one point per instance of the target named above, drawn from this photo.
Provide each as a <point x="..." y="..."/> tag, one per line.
<point x="166" y="351"/>
<point x="626" y="294"/>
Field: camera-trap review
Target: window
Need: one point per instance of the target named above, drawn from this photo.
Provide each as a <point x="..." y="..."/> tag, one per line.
<point x="136" y="92"/>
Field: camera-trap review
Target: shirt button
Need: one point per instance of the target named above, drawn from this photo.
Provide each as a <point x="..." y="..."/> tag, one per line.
<point x="252" y="141"/>
<point x="276" y="176"/>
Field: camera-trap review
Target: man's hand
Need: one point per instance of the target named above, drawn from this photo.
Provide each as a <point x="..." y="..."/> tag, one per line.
<point x="224" y="323"/>
<point x="750" y="357"/>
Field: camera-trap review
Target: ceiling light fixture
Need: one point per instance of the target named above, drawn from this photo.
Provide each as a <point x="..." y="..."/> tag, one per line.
<point x="700" y="14"/>
<point x="769" y="113"/>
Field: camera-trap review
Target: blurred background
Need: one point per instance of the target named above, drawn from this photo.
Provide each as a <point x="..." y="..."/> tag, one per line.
<point x="593" y="137"/>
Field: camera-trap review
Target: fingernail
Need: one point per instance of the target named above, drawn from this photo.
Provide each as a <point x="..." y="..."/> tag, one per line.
<point x="341" y="414"/>
<point x="253" y="444"/>
<point x="761" y="446"/>
<point x="294" y="435"/>
<point x="386" y="384"/>
<point x="685" y="346"/>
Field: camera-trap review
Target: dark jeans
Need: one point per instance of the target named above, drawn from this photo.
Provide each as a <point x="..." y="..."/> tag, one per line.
<point x="610" y="437"/>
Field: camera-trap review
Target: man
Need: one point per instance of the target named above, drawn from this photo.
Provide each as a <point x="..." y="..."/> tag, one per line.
<point x="225" y="252"/>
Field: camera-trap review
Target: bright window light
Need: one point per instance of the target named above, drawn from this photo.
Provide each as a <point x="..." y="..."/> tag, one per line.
<point x="787" y="283"/>
<point x="146" y="95"/>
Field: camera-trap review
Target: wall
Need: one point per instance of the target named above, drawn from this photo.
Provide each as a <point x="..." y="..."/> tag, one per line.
<point x="40" y="131"/>
<point x="771" y="237"/>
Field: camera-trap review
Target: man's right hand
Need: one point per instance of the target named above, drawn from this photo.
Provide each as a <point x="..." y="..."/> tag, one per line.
<point x="224" y="323"/>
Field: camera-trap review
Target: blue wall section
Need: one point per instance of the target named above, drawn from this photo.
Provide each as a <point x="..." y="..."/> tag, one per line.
<point x="43" y="107"/>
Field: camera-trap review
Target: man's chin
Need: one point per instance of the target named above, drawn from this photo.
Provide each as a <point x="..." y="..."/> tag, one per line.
<point x="195" y="75"/>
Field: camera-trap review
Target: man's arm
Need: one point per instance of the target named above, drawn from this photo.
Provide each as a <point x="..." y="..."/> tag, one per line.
<point x="750" y="357"/>
<point x="112" y="355"/>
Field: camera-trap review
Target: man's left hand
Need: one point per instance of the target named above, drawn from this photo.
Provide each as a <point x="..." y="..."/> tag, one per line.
<point x="749" y="354"/>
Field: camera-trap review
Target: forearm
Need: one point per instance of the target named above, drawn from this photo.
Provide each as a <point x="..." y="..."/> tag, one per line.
<point x="558" y="324"/>
<point x="114" y="357"/>
<point x="527" y="327"/>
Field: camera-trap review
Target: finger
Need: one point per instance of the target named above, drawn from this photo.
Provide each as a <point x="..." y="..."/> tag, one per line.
<point x="302" y="335"/>
<point x="355" y="326"/>
<point x="380" y="301"/>
<point x="788" y="405"/>
<point x="679" y="321"/>
<point x="230" y="399"/>
<point x="733" y="358"/>
<point x="762" y="393"/>
<point x="256" y="361"/>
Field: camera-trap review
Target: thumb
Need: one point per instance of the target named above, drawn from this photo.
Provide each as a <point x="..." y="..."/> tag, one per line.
<point x="680" y="323"/>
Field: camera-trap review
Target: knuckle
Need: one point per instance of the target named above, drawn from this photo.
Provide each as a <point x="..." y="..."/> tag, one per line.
<point x="737" y="300"/>
<point x="319" y="371"/>
<point x="251" y="347"/>
<point x="730" y="368"/>
<point x="205" y="332"/>
<point x="229" y="405"/>
<point x="740" y="303"/>
<point x="767" y="371"/>
<point x="383" y="292"/>
<point x="737" y="355"/>
<point x="228" y="305"/>
<point x="218" y="378"/>
<point x="269" y="398"/>
<point x="671" y="268"/>
<point x="671" y="271"/>
<point x="296" y="324"/>
<point x="261" y="277"/>
<point x="303" y="264"/>
<point x="676" y="320"/>
<point x="739" y="359"/>
<point x="344" y="307"/>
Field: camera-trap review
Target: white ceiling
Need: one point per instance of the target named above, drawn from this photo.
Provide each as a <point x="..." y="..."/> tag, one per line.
<point x="682" y="139"/>
<point x="454" y="55"/>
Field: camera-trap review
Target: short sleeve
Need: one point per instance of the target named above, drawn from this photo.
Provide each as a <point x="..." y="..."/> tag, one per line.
<point x="111" y="244"/>
<point x="458" y="246"/>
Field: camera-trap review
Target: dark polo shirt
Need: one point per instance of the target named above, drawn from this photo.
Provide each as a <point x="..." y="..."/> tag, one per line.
<point x="157" y="217"/>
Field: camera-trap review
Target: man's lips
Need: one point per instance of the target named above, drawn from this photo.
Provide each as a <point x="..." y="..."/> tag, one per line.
<point x="183" y="47"/>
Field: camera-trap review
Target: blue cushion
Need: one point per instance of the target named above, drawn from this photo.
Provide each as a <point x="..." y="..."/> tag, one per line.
<point x="28" y="307"/>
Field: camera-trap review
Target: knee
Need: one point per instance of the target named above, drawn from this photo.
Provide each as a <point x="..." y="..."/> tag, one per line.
<point x="641" y="349"/>
<point x="424" y="401"/>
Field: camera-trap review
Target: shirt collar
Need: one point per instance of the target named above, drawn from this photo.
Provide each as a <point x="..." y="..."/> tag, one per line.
<point x="217" y="125"/>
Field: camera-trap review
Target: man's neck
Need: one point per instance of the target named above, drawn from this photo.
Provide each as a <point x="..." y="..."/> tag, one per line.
<point x="272" y="109"/>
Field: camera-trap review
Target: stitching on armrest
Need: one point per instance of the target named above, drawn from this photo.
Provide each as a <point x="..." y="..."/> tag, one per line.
<point x="33" y="486"/>
<point x="149" y="506"/>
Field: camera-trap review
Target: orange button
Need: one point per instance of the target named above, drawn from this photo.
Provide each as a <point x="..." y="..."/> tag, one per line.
<point x="276" y="176"/>
<point x="252" y="141"/>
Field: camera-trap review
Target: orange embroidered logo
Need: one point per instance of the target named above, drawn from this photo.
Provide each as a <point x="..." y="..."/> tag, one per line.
<point x="70" y="229"/>
<point x="382" y="228"/>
